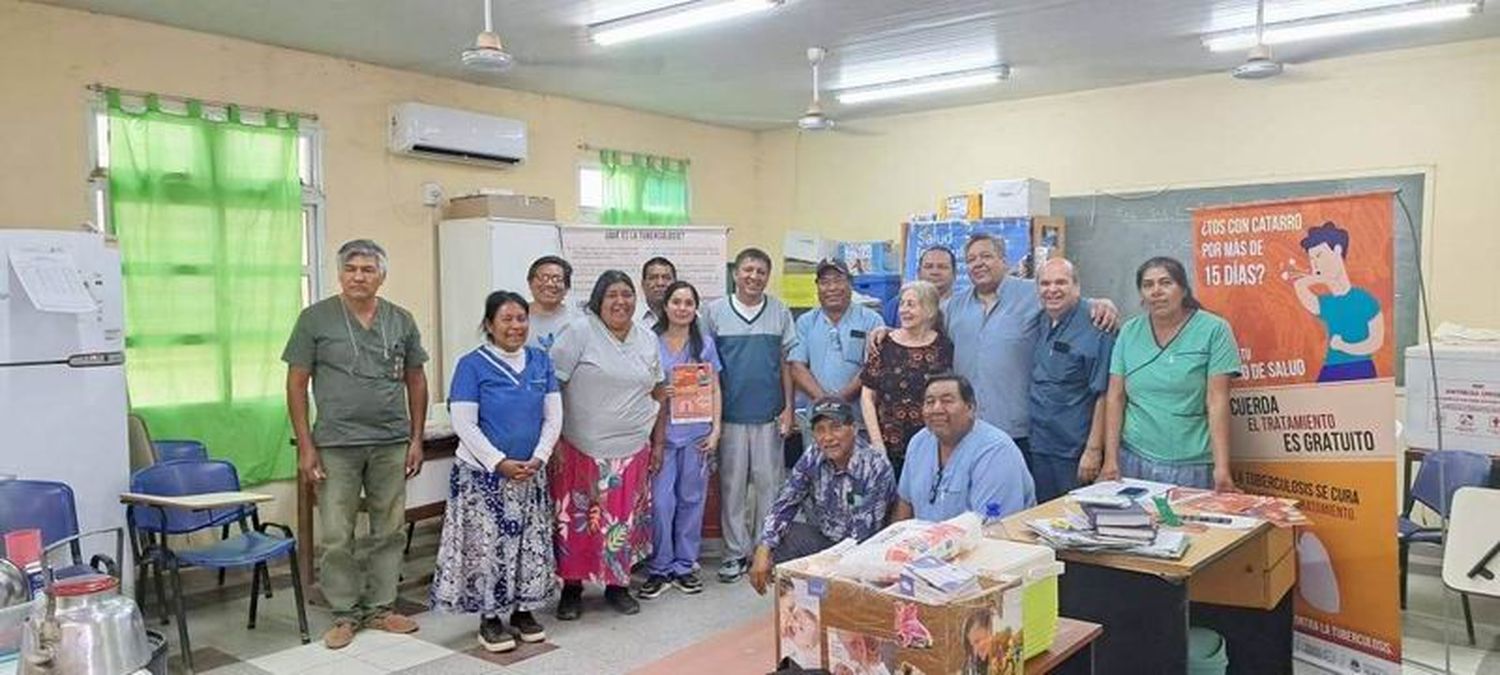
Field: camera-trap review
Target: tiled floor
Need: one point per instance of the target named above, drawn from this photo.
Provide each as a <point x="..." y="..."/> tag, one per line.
<point x="604" y="642"/>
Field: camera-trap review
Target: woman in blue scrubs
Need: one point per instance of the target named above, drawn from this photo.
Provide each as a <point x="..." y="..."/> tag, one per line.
<point x="496" y="557"/>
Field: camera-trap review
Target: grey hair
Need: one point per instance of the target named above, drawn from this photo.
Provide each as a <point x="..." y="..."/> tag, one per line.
<point x="928" y="299"/>
<point x="1067" y="264"/>
<point x="362" y="248"/>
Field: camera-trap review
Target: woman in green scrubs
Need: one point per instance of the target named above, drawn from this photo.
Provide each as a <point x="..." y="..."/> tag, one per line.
<point x="1168" y="402"/>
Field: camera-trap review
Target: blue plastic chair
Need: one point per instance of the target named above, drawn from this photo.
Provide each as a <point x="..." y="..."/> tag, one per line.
<point x="1440" y="475"/>
<point x="252" y="547"/>
<point x="47" y="506"/>
<point x="171" y="451"/>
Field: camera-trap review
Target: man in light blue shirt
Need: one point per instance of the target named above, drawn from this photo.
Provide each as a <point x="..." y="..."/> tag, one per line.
<point x="994" y="328"/>
<point x="959" y="463"/>
<point x="831" y="341"/>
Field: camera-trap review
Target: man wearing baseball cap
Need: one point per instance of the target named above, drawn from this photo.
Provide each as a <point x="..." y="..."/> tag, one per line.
<point x="843" y="488"/>
<point x="831" y="341"/>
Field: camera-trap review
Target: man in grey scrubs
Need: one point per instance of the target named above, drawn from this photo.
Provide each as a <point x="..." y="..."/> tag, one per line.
<point x="363" y="356"/>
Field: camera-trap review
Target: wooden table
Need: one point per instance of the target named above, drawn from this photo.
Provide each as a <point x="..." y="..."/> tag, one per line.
<point x="1072" y="651"/>
<point x="1227" y="581"/>
<point x="437" y="456"/>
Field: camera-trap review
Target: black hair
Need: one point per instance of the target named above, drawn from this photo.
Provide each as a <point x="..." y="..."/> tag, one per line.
<point x="1328" y="233"/>
<point x="965" y="388"/>
<point x="753" y="253"/>
<point x="494" y="302"/>
<point x="977" y="237"/>
<point x="551" y="260"/>
<point x="695" y="336"/>
<point x="607" y="279"/>
<point x="658" y="260"/>
<point x="952" y="257"/>
<point x="1173" y="267"/>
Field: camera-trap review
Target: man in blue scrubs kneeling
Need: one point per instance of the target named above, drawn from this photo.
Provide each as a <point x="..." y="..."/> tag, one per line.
<point x="960" y="463"/>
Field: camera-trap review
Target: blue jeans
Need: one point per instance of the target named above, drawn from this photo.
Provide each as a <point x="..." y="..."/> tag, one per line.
<point x="677" y="496"/>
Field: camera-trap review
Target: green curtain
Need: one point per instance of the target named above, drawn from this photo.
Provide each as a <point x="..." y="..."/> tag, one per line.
<point x="209" y="219"/>
<point x="643" y="190"/>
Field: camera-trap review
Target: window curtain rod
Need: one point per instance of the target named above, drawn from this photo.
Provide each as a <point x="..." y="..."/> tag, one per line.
<point x="594" y="148"/>
<point x="103" y="89"/>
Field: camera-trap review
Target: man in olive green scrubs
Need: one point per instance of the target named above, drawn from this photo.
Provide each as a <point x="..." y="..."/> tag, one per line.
<point x="363" y="356"/>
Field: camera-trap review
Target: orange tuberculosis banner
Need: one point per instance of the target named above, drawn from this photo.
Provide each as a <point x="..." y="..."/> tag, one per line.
<point x="1308" y="286"/>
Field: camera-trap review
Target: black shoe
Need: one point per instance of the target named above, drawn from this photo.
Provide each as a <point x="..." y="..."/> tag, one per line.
<point x="619" y="598"/>
<point x="655" y="585"/>
<point x="688" y="583"/>
<point x="527" y="626"/>
<point x="570" y="606"/>
<point x="494" y="637"/>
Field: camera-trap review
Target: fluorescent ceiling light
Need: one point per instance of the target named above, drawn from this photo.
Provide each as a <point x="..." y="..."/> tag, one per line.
<point x="929" y="85"/>
<point x="674" y="18"/>
<point x="1363" y="23"/>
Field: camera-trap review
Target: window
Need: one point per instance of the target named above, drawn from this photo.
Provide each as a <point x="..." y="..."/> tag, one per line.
<point x="590" y="191"/>
<point x="218" y="212"/>
<point x="622" y="188"/>
<point x="309" y="170"/>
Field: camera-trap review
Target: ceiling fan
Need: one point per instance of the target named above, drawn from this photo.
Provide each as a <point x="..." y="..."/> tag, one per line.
<point x="813" y="119"/>
<point x="487" y="54"/>
<point x="1259" y="64"/>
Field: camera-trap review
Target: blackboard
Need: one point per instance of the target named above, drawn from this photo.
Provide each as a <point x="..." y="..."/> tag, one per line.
<point x="1109" y="235"/>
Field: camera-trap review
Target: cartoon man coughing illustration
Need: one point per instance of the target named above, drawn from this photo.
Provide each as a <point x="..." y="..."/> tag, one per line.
<point x="1352" y="316"/>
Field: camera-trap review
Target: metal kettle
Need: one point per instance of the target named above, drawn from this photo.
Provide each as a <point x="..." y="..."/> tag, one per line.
<point x="84" y="625"/>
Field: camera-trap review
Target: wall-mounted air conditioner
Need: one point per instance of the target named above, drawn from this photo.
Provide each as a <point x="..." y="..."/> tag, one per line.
<point x="430" y="131"/>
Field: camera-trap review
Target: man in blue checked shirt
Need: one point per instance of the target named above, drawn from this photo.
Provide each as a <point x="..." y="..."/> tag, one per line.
<point x="843" y="490"/>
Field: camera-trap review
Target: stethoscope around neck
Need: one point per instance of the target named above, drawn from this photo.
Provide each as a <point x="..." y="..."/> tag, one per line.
<point x="379" y="321"/>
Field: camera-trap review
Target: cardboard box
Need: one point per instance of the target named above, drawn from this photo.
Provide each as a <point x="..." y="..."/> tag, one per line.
<point x="1016" y="198"/>
<point x="807" y="247"/>
<point x="845" y="626"/>
<point x="964" y="206"/>
<point x="1256" y="574"/>
<point x="520" y="207"/>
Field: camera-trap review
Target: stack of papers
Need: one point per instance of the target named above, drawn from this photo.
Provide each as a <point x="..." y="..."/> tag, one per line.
<point x="1131" y="522"/>
<point x="936" y="581"/>
<point x="1074" y="533"/>
<point x="1278" y="511"/>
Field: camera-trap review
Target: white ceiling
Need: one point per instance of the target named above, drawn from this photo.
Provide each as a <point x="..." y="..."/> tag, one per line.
<point x="752" y="72"/>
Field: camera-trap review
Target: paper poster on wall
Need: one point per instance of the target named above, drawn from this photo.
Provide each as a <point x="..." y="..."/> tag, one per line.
<point x="953" y="234"/>
<point x="1308" y="286"/>
<point x="698" y="253"/>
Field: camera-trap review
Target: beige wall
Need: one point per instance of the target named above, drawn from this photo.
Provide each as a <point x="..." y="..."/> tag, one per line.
<point x="1434" y="107"/>
<point x="48" y="56"/>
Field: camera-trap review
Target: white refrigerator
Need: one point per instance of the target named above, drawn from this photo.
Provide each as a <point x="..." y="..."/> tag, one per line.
<point x="62" y="369"/>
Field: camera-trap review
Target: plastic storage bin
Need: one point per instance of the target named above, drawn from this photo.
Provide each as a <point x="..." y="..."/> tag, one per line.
<point x="881" y="286"/>
<point x="1207" y="654"/>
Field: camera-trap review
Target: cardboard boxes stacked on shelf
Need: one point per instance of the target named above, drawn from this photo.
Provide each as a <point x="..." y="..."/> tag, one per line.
<point x="1009" y="198"/>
